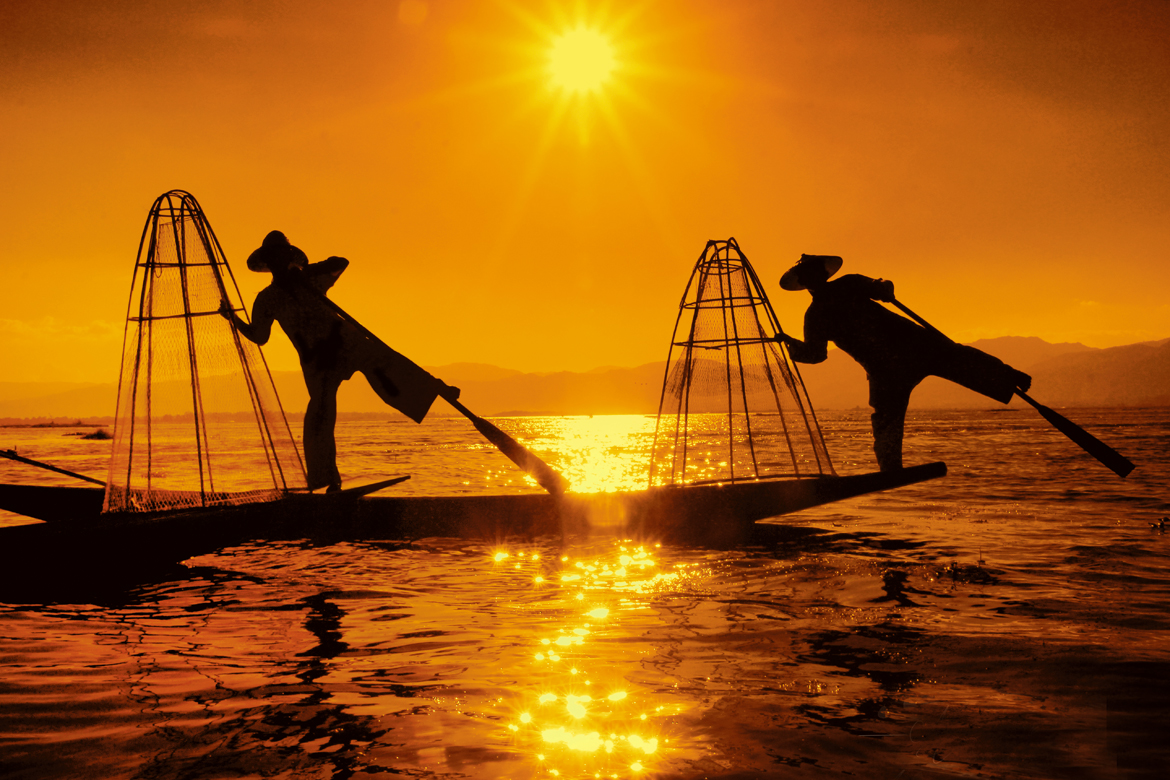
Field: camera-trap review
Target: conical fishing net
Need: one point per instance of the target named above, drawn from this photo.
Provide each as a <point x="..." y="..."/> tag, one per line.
<point x="733" y="405"/>
<point x="198" y="422"/>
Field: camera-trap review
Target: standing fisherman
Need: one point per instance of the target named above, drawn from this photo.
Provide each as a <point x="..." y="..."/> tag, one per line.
<point x="330" y="347"/>
<point x="895" y="352"/>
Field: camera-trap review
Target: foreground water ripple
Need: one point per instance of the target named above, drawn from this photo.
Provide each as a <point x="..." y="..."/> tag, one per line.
<point x="1007" y="622"/>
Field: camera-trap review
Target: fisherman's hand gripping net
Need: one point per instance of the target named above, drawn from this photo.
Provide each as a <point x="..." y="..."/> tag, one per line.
<point x="198" y="422"/>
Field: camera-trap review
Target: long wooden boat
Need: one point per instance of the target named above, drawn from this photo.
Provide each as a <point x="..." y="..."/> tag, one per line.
<point x="77" y="540"/>
<point x="182" y="278"/>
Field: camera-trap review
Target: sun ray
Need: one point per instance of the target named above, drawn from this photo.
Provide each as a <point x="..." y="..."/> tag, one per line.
<point x="610" y="101"/>
<point x="653" y="198"/>
<point x="527" y="182"/>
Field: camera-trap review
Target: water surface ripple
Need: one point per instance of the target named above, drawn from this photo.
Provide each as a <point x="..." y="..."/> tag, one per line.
<point x="1008" y="621"/>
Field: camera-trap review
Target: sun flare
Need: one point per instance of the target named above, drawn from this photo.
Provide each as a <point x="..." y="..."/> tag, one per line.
<point x="581" y="60"/>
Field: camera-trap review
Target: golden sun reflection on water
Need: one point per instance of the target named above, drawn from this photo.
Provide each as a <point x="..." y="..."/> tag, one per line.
<point x="611" y="453"/>
<point x="579" y="716"/>
<point x="605" y="454"/>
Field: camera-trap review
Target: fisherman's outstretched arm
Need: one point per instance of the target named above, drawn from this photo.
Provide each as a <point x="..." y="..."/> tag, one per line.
<point x="859" y="285"/>
<point x="881" y="290"/>
<point x="260" y="328"/>
<point x="814" y="348"/>
<point x="325" y="274"/>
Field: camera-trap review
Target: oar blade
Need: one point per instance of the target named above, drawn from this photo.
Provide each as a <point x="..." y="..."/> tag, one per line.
<point x="1111" y="458"/>
<point x="544" y="475"/>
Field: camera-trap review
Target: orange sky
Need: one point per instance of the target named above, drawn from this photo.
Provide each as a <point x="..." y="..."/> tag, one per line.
<point x="1005" y="163"/>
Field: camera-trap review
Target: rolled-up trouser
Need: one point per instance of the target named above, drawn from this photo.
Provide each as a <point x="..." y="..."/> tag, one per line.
<point x="890" y="389"/>
<point x="320" y="421"/>
<point x="889" y="395"/>
<point x="978" y="371"/>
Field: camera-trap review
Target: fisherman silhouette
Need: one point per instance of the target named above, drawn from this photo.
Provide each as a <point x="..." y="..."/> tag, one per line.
<point x="330" y="347"/>
<point x="895" y="352"/>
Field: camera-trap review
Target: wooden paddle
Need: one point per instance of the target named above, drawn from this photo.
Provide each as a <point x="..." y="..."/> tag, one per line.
<point x="1111" y="458"/>
<point x="543" y="473"/>
<point x="11" y="455"/>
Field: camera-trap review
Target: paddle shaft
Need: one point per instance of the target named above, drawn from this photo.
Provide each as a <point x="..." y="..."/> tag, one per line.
<point x="1111" y="458"/>
<point x="11" y="455"/>
<point x="544" y="474"/>
<point x="1114" y="460"/>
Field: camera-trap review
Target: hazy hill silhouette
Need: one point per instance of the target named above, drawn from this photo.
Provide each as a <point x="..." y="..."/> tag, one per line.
<point x="57" y="399"/>
<point x="840" y="383"/>
<point x="1066" y="374"/>
<point x="1133" y="375"/>
<point x="1063" y="375"/>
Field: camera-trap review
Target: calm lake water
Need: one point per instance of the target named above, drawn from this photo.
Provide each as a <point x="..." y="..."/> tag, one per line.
<point x="1007" y="621"/>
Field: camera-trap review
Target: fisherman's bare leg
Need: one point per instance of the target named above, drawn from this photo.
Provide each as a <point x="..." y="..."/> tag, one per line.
<point x="889" y="399"/>
<point x="320" y="422"/>
<point x="976" y="370"/>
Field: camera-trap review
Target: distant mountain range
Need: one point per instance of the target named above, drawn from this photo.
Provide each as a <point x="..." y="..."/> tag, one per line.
<point x="1062" y="375"/>
<point x="1065" y="374"/>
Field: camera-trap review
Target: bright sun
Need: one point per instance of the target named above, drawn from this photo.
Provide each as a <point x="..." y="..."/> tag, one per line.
<point x="581" y="60"/>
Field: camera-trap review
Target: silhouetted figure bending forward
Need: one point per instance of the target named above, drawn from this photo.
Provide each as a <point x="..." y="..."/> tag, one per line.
<point x="895" y="352"/>
<point x="331" y="349"/>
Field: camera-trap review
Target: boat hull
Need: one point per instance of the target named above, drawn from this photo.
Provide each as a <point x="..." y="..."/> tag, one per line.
<point x="710" y="515"/>
<point x="77" y="540"/>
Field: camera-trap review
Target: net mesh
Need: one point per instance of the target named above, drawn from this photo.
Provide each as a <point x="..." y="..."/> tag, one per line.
<point x="198" y="419"/>
<point x="733" y="406"/>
